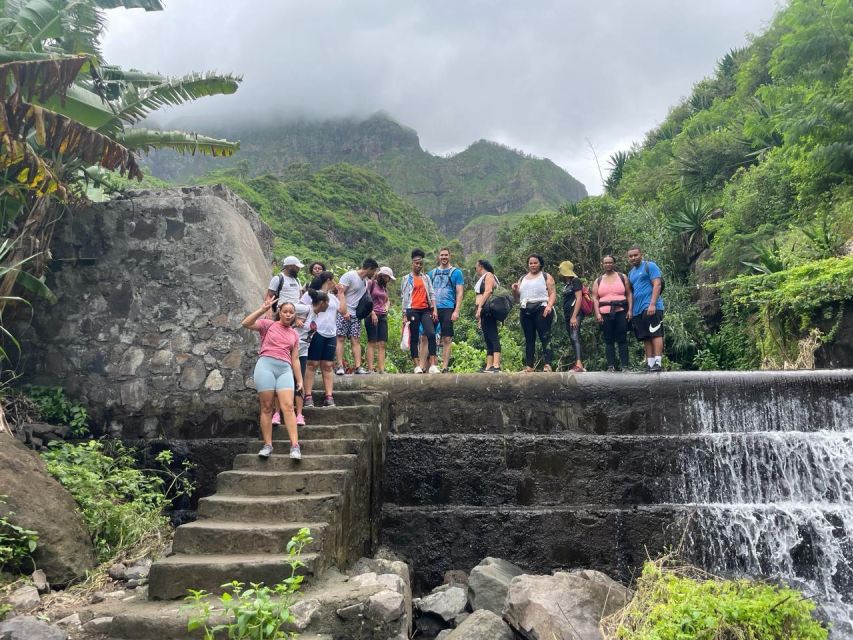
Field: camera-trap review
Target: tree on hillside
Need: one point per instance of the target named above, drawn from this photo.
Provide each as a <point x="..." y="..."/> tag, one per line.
<point x="69" y="117"/>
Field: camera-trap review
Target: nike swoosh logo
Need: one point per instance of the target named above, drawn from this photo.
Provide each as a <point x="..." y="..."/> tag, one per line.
<point x="653" y="329"/>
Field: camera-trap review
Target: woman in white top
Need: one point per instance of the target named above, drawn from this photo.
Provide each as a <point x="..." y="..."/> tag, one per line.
<point x="536" y="295"/>
<point x="321" y="347"/>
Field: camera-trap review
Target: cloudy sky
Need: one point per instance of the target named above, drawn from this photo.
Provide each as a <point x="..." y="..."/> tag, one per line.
<point x="549" y="77"/>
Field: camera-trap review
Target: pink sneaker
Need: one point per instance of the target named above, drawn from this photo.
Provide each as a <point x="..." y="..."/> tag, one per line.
<point x="300" y="421"/>
<point x="276" y="418"/>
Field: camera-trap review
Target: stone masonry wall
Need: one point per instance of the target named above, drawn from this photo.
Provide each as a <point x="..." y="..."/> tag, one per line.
<point x="151" y="292"/>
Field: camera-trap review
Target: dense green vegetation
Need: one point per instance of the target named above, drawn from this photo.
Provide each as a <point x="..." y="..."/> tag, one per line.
<point x="743" y="195"/>
<point x="484" y="179"/>
<point x="340" y="214"/>
<point x="674" y="603"/>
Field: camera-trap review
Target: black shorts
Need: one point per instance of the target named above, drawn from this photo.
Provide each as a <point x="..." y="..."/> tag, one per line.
<point x="445" y="319"/>
<point x="377" y="332"/>
<point x="647" y="327"/>
<point x="322" y="348"/>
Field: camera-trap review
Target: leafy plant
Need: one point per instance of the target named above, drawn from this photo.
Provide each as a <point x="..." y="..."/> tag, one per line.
<point x="4" y="609"/>
<point x="17" y="546"/>
<point x="55" y="407"/>
<point x="121" y="504"/>
<point x="257" y="613"/>
<point x="674" y="601"/>
<point x="768" y="260"/>
<point x="690" y="221"/>
<point x="824" y="238"/>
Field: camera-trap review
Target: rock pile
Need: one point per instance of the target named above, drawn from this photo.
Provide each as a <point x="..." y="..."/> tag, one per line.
<point x="498" y="601"/>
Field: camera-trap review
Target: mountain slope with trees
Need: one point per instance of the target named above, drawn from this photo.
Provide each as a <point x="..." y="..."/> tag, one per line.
<point x="744" y="195"/>
<point x="484" y="179"/>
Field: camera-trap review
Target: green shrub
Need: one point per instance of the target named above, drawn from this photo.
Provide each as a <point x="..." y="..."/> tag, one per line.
<point x="256" y="613"/>
<point x="680" y="603"/>
<point x="55" y="407"/>
<point x="17" y="545"/>
<point x="121" y="505"/>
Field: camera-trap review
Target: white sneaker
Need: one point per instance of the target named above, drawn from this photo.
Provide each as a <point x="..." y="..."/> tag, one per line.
<point x="418" y="370"/>
<point x="434" y="369"/>
<point x="265" y="451"/>
<point x="296" y="452"/>
<point x="339" y="371"/>
<point x="361" y="371"/>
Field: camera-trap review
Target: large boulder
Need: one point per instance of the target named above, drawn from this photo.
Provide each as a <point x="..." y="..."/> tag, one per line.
<point x="146" y="333"/>
<point x="488" y="584"/>
<point x="482" y="625"/>
<point x="564" y="606"/>
<point x="40" y="503"/>
<point x="29" y="628"/>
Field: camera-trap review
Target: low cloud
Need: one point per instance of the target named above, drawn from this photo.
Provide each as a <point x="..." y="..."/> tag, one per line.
<point x="546" y="76"/>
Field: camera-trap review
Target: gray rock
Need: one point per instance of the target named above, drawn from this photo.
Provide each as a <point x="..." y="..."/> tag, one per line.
<point x="304" y="612"/>
<point x="445" y="604"/>
<point x="98" y="625"/>
<point x="385" y="606"/>
<point x="29" y="628"/>
<point x="114" y="595"/>
<point x="40" y="503"/>
<point x="352" y="612"/>
<point x="391" y="581"/>
<point x="444" y="635"/>
<point x="40" y="581"/>
<point x="24" y="598"/>
<point x="488" y="584"/>
<point x="138" y="571"/>
<point x="70" y="622"/>
<point x="214" y="381"/>
<point x="118" y="571"/>
<point x="564" y="606"/>
<point x="483" y="625"/>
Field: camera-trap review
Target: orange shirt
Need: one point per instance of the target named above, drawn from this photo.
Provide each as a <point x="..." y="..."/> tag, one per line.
<point x="419" y="293"/>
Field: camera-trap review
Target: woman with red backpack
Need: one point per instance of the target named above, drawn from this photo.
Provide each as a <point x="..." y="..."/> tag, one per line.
<point x="613" y="299"/>
<point x="577" y="303"/>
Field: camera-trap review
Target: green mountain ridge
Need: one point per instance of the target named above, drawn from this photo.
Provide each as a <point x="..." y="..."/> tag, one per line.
<point x="485" y="179"/>
<point x="339" y="215"/>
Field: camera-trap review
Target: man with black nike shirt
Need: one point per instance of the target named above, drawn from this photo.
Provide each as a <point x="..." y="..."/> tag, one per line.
<point x="646" y="283"/>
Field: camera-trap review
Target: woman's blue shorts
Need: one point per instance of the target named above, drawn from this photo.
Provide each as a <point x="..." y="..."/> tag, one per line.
<point x="272" y="374"/>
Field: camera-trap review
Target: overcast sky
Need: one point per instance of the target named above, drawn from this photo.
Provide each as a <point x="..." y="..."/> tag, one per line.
<point x="543" y="76"/>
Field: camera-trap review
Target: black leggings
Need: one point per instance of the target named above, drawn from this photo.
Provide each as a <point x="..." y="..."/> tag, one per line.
<point x="532" y="323"/>
<point x="418" y="317"/>
<point x="575" y="334"/>
<point x="615" y="329"/>
<point x="489" y="325"/>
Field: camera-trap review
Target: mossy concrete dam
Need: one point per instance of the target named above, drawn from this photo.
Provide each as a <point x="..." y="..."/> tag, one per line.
<point x="748" y="473"/>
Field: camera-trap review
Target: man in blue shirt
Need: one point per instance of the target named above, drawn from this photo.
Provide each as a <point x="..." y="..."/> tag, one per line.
<point x="647" y="311"/>
<point x="449" y="285"/>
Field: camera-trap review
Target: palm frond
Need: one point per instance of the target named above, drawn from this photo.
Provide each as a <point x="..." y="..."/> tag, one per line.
<point x="136" y="103"/>
<point x="180" y="141"/>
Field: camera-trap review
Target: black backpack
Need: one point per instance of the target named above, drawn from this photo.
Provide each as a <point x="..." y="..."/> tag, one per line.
<point x="365" y="304"/>
<point x="280" y="277"/>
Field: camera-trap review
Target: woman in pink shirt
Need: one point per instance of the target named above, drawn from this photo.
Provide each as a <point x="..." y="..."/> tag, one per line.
<point x="612" y="299"/>
<point x="275" y="376"/>
<point x="376" y="324"/>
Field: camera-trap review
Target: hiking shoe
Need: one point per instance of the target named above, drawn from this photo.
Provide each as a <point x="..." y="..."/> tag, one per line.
<point x="527" y="370"/>
<point x="493" y="370"/>
<point x="329" y="402"/>
<point x="656" y="368"/>
<point x="611" y="369"/>
<point x="577" y="369"/>
<point x="300" y="420"/>
<point x="446" y="370"/>
<point x="340" y="371"/>
<point x="308" y="402"/>
<point x="265" y="451"/>
<point x="434" y="369"/>
<point x="547" y="369"/>
<point x="418" y="370"/>
<point x="295" y="452"/>
<point x="276" y="418"/>
<point x="361" y="371"/>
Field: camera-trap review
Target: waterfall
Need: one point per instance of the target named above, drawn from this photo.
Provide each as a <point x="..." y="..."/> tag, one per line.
<point x="769" y="488"/>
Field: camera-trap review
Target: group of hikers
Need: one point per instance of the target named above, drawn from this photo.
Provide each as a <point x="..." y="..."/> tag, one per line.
<point x="312" y="324"/>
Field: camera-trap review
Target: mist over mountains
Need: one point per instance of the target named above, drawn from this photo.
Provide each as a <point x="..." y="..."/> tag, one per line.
<point x="486" y="179"/>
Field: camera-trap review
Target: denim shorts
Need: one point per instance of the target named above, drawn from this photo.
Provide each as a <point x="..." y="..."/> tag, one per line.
<point x="272" y="374"/>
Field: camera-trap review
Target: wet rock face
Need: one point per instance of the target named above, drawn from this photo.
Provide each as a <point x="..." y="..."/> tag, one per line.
<point x="151" y="292"/>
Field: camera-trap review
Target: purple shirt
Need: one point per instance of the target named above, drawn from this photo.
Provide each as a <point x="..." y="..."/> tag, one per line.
<point x="380" y="298"/>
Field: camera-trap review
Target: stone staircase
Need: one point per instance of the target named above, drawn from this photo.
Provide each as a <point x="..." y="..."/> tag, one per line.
<point x="243" y="529"/>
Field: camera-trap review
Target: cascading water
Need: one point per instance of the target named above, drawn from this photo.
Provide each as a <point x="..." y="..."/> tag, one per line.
<point x="769" y="492"/>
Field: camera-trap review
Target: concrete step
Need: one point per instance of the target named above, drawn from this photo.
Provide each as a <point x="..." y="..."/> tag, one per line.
<point x="356" y="414"/>
<point x="226" y="537"/>
<point x="335" y="446"/>
<point x="345" y="398"/>
<point x="271" y="509"/>
<point x="276" y="483"/>
<point x="283" y="462"/>
<point x="328" y="431"/>
<point x="171" y="577"/>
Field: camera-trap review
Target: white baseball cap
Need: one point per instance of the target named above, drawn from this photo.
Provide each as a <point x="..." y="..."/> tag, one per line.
<point x="386" y="271"/>
<point x="291" y="260"/>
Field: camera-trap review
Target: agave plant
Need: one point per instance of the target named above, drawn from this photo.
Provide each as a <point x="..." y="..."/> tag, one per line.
<point x="768" y="259"/>
<point x="690" y="222"/>
<point x="617" y="168"/>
